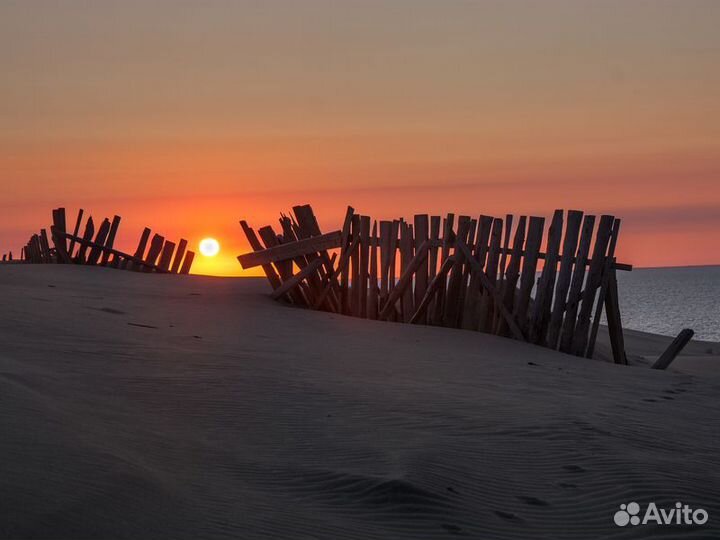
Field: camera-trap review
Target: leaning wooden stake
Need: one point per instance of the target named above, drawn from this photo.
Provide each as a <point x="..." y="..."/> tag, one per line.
<point x="673" y="349"/>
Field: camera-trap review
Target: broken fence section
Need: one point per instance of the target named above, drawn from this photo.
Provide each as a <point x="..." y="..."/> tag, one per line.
<point x="90" y="246"/>
<point x="476" y="274"/>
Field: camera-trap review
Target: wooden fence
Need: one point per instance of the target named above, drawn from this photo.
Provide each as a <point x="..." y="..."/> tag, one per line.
<point x="476" y="274"/>
<point x="96" y="248"/>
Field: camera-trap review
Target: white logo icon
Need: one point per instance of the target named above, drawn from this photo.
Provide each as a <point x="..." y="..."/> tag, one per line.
<point x="681" y="514"/>
<point x="628" y="513"/>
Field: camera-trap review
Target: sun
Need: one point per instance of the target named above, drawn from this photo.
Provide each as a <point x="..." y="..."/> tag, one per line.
<point x="209" y="247"/>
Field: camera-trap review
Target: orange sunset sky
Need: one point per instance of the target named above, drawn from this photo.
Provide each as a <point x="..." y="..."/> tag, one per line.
<point x="187" y="116"/>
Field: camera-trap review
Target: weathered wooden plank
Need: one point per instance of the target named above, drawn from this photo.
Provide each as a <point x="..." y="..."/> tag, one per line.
<point x="394" y="233"/>
<point x="432" y="289"/>
<point x="605" y="282"/>
<point x="290" y="284"/>
<point x="345" y="275"/>
<point x="615" y="331"/>
<point x="187" y="262"/>
<point x="466" y="273"/>
<point x="438" y="311"/>
<point x="364" y="262"/>
<point x="156" y="245"/>
<point x="592" y="283"/>
<point x="677" y="345"/>
<point x="57" y="234"/>
<point x="435" y="222"/>
<point x="76" y="232"/>
<point x="512" y="274"/>
<point x="572" y="232"/>
<point x="177" y="260"/>
<point x="471" y="309"/>
<point x="421" y="229"/>
<point x="355" y="260"/>
<point x="86" y="238"/>
<point x="529" y="268"/>
<point x="45" y="245"/>
<point x="541" y="309"/>
<point x="110" y="242"/>
<point x="385" y="228"/>
<point x="405" y="280"/>
<point x="283" y="252"/>
<point x="451" y="315"/>
<point x="373" y="291"/>
<point x="576" y="283"/>
<point x="100" y="239"/>
<point x="407" y="305"/>
<point x="485" y="320"/>
<point x="166" y="256"/>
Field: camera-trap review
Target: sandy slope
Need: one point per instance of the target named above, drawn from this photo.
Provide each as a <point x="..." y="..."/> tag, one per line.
<point x="228" y="415"/>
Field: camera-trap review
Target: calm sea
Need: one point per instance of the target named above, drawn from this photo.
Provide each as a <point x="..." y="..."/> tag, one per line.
<point x="666" y="300"/>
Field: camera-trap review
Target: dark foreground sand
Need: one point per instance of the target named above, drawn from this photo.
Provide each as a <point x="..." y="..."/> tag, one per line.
<point x="141" y="406"/>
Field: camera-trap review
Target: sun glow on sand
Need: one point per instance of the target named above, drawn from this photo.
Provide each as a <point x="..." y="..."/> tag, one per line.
<point x="209" y="247"/>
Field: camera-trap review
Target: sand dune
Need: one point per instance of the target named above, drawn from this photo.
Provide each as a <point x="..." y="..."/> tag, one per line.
<point x="151" y="406"/>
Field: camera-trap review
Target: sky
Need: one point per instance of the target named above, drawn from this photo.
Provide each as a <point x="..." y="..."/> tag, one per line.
<point x="189" y="116"/>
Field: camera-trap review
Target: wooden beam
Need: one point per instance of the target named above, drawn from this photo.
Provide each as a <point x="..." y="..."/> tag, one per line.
<point x="283" y="252"/>
<point x="187" y="262"/>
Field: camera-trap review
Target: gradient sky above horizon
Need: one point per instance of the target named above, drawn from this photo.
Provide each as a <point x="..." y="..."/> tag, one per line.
<point x="187" y="116"/>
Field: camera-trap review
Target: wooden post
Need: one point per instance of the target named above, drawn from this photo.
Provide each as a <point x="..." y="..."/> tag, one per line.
<point x="512" y="274"/>
<point x="451" y="316"/>
<point x="166" y="256"/>
<point x="76" y="231"/>
<point x="422" y="233"/>
<point x="187" y="262"/>
<point x="677" y="345"/>
<point x="364" y="261"/>
<point x="406" y="257"/>
<point x="385" y="228"/>
<point x="485" y="320"/>
<point x="594" y="277"/>
<point x="572" y="231"/>
<point x="96" y="251"/>
<point x="110" y="239"/>
<point x="156" y="245"/>
<point x="544" y="294"/>
<point x="355" y="259"/>
<point x="472" y="298"/>
<point x="527" y="277"/>
<point x="345" y="275"/>
<point x="575" y="293"/>
<point x="87" y="237"/>
<point x="607" y="269"/>
<point x="437" y="314"/>
<point x="372" y="302"/>
<point x="615" y="331"/>
<point x="177" y="260"/>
